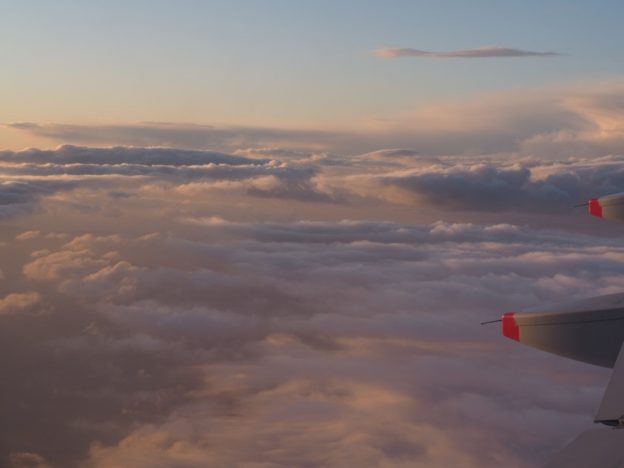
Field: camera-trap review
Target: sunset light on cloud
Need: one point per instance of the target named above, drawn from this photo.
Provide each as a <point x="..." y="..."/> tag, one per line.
<point x="481" y="52"/>
<point x="250" y="234"/>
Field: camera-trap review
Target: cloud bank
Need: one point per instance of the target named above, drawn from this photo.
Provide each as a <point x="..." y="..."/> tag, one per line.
<point x="554" y="123"/>
<point x="276" y="343"/>
<point x="177" y="135"/>
<point x="185" y="308"/>
<point x="397" y="178"/>
<point x="266" y="305"/>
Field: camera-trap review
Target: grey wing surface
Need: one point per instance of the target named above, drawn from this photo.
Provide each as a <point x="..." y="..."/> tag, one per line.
<point x="603" y="447"/>
<point x="590" y="330"/>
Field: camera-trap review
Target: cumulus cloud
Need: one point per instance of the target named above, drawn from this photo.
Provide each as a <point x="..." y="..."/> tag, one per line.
<point x="488" y="183"/>
<point x="472" y="184"/>
<point x="69" y="154"/>
<point x="17" y="302"/>
<point x="278" y="342"/>
<point x="21" y="196"/>
<point x="284" y="306"/>
<point x="495" y="186"/>
<point x="32" y="175"/>
<point x="481" y="52"/>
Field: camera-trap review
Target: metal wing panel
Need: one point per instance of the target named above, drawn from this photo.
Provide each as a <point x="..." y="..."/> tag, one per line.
<point x="609" y="207"/>
<point x="603" y="448"/>
<point x="611" y="410"/>
<point x="589" y="330"/>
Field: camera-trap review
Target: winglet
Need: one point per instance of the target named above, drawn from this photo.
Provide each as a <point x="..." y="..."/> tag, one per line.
<point x="594" y="208"/>
<point x="509" y="326"/>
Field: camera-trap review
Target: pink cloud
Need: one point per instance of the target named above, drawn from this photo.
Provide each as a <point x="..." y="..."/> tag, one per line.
<point x="481" y="52"/>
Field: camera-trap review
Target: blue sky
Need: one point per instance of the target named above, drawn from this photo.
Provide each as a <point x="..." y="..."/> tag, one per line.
<point x="284" y="63"/>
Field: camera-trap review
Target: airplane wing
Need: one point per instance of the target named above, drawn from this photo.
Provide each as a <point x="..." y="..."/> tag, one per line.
<point x="611" y="410"/>
<point x="590" y="330"/>
<point x="600" y="447"/>
<point x="609" y="207"/>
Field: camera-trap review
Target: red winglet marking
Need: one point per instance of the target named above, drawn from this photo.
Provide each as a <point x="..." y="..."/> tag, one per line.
<point x="594" y="208"/>
<point x="510" y="327"/>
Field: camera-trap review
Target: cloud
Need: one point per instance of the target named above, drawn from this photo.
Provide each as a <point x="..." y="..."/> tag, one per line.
<point x="69" y="154"/>
<point x="28" y="460"/>
<point x="277" y="342"/>
<point x="31" y="175"/>
<point x="481" y="52"/>
<point x="157" y="178"/>
<point x="559" y="122"/>
<point x="22" y="196"/>
<point x="292" y="307"/>
<point x="179" y="135"/>
<point x="457" y="184"/>
<point x="30" y="235"/>
<point x="495" y="186"/>
<point x="17" y="302"/>
<point x="284" y="307"/>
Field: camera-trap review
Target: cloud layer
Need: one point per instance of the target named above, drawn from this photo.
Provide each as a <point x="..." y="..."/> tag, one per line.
<point x="188" y="180"/>
<point x="178" y="135"/>
<point x="267" y="305"/>
<point x="179" y="308"/>
<point x="279" y="343"/>
<point x="554" y="123"/>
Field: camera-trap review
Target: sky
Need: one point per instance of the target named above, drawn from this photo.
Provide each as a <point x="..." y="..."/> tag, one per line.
<point x="264" y="233"/>
<point x="281" y="63"/>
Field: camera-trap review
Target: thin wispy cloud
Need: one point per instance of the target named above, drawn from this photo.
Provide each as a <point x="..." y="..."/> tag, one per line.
<point x="481" y="52"/>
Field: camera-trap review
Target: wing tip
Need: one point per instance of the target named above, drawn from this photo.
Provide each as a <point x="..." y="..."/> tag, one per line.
<point x="509" y="326"/>
<point x="594" y="208"/>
